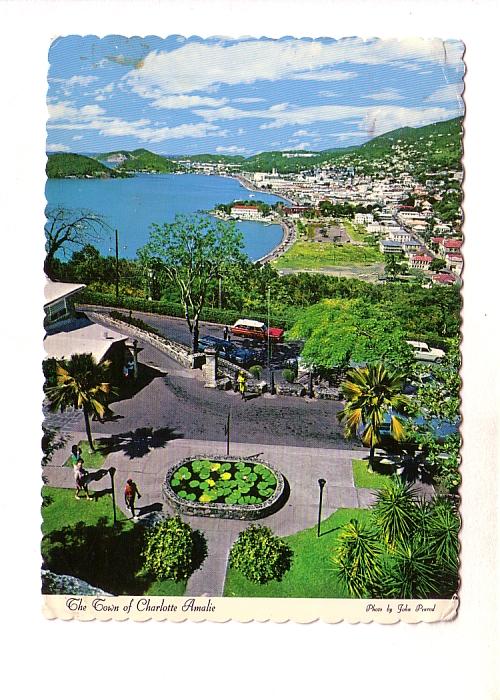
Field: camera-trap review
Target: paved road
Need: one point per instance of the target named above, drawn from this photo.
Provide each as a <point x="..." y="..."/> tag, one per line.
<point x="175" y="401"/>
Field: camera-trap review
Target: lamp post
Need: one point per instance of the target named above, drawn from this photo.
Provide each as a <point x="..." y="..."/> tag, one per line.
<point x="111" y="472"/>
<point x="321" y="483"/>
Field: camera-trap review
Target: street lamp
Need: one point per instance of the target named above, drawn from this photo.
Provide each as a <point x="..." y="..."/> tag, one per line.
<point x="111" y="472"/>
<point x="321" y="483"/>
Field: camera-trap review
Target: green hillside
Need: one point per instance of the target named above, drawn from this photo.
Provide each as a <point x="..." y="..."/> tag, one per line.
<point x="63" y="165"/>
<point x="140" y="160"/>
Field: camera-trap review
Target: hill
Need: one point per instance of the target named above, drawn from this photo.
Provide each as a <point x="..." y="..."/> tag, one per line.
<point x="64" y="165"/>
<point x="139" y="161"/>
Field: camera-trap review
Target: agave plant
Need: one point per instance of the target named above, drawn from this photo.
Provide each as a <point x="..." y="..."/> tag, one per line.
<point x="357" y="559"/>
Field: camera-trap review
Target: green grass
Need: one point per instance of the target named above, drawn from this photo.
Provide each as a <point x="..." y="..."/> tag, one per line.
<point x="304" y="255"/>
<point x="357" y="233"/>
<point x="368" y="480"/>
<point x="91" y="460"/>
<point x="312" y="573"/>
<point x="79" y="540"/>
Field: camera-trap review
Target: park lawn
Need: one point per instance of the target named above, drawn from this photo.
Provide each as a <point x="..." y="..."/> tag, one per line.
<point x="79" y="540"/>
<point x="368" y="480"/>
<point x="311" y="256"/>
<point x="312" y="573"/>
<point x="91" y="460"/>
<point x="357" y="233"/>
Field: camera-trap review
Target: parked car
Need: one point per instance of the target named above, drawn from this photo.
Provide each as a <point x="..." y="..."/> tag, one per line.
<point x="227" y="350"/>
<point x="255" y="330"/>
<point x="422" y="351"/>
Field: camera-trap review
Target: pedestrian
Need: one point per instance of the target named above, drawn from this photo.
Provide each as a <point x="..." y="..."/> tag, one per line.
<point x="80" y="475"/>
<point x="76" y="454"/>
<point x="227" y="335"/>
<point x="242" y="385"/>
<point x="131" y="491"/>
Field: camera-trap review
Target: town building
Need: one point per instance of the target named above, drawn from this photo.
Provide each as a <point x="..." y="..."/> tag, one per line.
<point x="245" y="211"/>
<point x="420" y="262"/>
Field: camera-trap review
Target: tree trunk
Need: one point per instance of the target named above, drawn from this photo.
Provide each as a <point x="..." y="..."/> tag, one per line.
<point x="371" y="458"/>
<point x="87" y="428"/>
<point x="195" y="336"/>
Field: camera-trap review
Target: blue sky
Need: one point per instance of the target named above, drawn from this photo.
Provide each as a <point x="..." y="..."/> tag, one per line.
<point x="191" y="95"/>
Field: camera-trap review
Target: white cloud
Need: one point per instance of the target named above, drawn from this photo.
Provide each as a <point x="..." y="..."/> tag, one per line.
<point x="64" y="110"/>
<point x="51" y="147"/>
<point x="448" y="93"/>
<point x="178" y="71"/>
<point x="248" y="100"/>
<point x="187" y="101"/>
<point x="82" y="80"/>
<point x="324" y="75"/>
<point x="231" y="150"/>
<point x="328" y="93"/>
<point x="300" y="146"/>
<point x="77" y="138"/>
<point x="384" y="95"/>
<point x="303" y="132"/>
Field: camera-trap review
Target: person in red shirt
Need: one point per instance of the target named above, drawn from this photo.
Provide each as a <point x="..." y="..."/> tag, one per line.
<point x="131" y="491"/>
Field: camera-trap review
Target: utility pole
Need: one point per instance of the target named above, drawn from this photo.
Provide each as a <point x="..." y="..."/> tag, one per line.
<point x="116" y="264"/>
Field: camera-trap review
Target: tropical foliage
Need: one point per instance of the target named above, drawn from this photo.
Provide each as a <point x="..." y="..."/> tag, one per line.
<point x="84" y="384"/>
<point x="372" y="393"/>
<point x="169" y="550"/>
<point x="260" y="555"/>
<point x="60" y="165"/>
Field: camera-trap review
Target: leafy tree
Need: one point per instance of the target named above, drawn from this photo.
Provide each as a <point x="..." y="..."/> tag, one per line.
<point x="260" y="555"/>
<point x="357" y="559"/>
<point x="338" y="331"/>
<point x="195" y="251"/>
<point x="169" y="550"/>
<point x="437" y="264"/>
<point x="392" y="266"/>
<point x="372" y="393"/>
<point x="69" y="227"/>
<point x="82" y="383"/>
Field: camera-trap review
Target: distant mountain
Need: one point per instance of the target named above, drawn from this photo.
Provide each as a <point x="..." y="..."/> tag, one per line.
<point x="139" y="161"/>
<point x="64" y="165"/>
<point x="418" y="150"/>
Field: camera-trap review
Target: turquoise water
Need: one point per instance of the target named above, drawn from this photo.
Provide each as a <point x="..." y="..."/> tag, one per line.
<point x="131" y="205"/>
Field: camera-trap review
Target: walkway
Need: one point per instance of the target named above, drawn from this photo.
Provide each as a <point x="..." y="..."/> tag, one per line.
<point x="302" y="466"/>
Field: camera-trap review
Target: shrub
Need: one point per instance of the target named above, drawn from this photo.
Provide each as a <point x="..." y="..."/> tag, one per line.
<point x="289" y="375"/>
<point x="260" y="555"/>
<point x="255" y="371"/>
<point x="169" y="550"/>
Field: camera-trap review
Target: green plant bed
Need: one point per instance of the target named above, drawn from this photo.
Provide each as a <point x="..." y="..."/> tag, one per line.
<point x="312" y="574"/>
<point x="79" y="540"/>
<point x="206" y="481"/>
<point x="91" y="460"/>
<point x="380" y="476"/>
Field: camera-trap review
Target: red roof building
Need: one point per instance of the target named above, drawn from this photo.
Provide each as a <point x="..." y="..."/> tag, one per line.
<point x="420" y="262"/>
<point x="444" y="278"/>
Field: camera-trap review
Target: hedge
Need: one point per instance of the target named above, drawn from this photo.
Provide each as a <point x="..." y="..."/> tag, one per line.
<point x="164" y="308"/>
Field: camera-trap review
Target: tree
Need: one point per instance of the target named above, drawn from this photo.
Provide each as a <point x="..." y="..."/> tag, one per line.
<point x="392" y="266"/>
<point x="169" y="550"/>
<point x="260" y="555"/>
<point x="395" y="512"/>
<point x="73" y="227"/>
<point x="339" y="331"/>
<point x="195" y="251"/>
<point x="357" y="559"/>
<point x="437" y="264"/>
<point x="372" y="393"/>
<point x="82" y="383"/>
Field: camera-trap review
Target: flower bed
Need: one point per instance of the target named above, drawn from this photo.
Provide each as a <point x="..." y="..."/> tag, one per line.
<point x="224" y="487"/>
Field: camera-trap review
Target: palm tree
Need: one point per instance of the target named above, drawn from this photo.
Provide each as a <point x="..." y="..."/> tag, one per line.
<point x="371" y="393"/>
<point x="357" y="560"/>
<point x="82" y="383"/>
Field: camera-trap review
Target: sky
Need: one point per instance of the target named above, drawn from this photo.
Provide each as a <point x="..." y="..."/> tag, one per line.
<point x="243" y="96"/>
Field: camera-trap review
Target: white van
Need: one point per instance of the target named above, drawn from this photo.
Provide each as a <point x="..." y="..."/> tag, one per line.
<point x="422" y="351"/>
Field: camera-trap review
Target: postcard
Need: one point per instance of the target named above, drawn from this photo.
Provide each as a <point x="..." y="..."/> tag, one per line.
<point x="252" y="329"/>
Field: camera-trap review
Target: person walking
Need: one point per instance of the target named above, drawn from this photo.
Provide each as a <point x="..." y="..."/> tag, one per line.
<point x="76" y="455"/>
<point x="80" y="475"/>
<point x="242" y="385"/>
<point x="131" y="491"/>
<point x="227" y="335"/>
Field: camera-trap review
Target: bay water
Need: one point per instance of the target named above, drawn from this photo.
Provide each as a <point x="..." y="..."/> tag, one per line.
<point x="131" y="205"/>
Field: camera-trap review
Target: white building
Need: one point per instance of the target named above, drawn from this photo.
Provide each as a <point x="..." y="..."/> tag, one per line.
<point x="246" y="211"/>
<point x="363" y="218"/>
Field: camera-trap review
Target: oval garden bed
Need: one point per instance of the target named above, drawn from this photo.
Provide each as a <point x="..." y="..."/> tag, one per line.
<point x="222" y="487"/>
